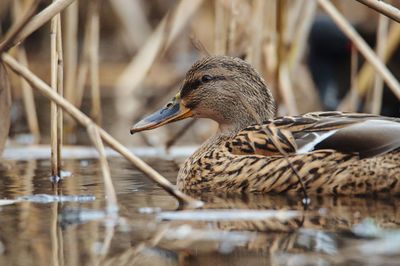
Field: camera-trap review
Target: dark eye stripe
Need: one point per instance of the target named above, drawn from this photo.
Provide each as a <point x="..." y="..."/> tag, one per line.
<point x="189" y="86"/>
<point x="194" y="84"/>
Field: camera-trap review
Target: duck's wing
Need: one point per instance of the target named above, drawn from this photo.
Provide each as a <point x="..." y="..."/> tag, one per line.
<point x="365" y="134"/>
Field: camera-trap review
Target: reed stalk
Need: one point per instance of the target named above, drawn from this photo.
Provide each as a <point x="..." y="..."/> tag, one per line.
<point x="367" y="73"/>
<point x="254" y="48"/>
<point x="71" y="50"/>
<point x="94" y="61"/>
<point x="361" y="45"/>
<point x="10" y="38"/>
<point x="40" y="19"/>
<point x="132" y="13"/>
<point x="381" y="42"/>
<point x="83" y="119"/>
<point x="27" y="93"/>
<point x="232" y="30"/>
<point x="283" y="74"/>
<point x="60" y="90"/>
<point x="83" y="65"/>
<point x="383" y="8"/>
<point x="53" y="107"/>
<point x="132" y="76"/>
<point x="220" y="28"/>
<point x="29" y="100"/>
<point x="301" y="34"/>
<point x="353" y="80"/>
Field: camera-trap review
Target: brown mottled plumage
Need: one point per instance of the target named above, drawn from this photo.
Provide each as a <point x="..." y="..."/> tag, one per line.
<point x="333" y="152"/>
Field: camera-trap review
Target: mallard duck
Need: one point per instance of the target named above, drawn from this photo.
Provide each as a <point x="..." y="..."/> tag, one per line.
<point x="322" y="152"/>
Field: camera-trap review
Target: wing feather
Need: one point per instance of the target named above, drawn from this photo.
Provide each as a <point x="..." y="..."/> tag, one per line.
<point x="365" y="134"/>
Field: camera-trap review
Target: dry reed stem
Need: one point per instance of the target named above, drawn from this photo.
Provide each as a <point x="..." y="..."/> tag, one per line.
<point x="367" y="71"/>
<point x="40" y="19"/>
<point x="283" y="75"/>
<point x="111" y="196"/>
<point x="294" y="11"/>
<point x="232" y="27"/>
<point x="383" y="8"/>
<point x="71" y="50"/>
<point x="270" y="46"/>
<point x="44" y="89"/>
<point x="353" y="80"/>
<point x="285" y="85"/>
<point x="279" y="16"/>
<point x="361" y="45"/>
<point x="366" y="74"/>
<point x="29" y="100"/>
<point x="166" y="31"/>
<point x="300" y="39"/>
<point x="60" y="90"/>
<point x="27" y="93"/>
<point x="132" y="13"/>
<point x="5" y="106"/>
<point x="94" y="61"/>
<point x="254" y="49"/>
<point x="381" y="41"/>
<point x="83" y="66"/>
<point x="53" y="108"/>
<point x="220" y="28"/>
<point x="18" y="26"/>
<point x="180" y="133"/>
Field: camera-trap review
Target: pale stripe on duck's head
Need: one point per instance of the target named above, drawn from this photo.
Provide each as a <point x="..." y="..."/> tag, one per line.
<point x="216" y="87"/>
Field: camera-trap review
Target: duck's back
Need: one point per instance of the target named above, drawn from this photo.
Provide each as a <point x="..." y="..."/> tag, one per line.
<point x="332" y="152"/>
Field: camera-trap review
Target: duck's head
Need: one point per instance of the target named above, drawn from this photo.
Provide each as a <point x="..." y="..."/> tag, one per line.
<point x="220" y="88"/>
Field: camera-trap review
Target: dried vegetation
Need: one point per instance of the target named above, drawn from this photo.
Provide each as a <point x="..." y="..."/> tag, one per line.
<point x="272" y="35"/>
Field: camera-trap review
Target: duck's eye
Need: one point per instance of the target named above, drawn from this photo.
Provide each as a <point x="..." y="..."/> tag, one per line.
<point x="206" y="78"/>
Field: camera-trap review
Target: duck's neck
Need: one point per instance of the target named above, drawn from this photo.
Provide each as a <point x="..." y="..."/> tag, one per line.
<point x="230" y="130"/>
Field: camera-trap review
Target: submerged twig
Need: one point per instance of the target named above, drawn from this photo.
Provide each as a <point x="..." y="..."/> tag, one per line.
<point x="111" y="196"/>
<point x="43" y="88"/>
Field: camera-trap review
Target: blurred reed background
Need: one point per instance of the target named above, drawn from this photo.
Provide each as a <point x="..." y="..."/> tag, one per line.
<point x="123" y="59"/>
<point x="117" y="60"/>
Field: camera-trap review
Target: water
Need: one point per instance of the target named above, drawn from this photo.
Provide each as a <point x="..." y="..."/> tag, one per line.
<point x="44" y="225"/>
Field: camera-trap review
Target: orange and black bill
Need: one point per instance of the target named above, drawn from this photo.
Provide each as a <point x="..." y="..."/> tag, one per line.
<point x="174" y="111"/>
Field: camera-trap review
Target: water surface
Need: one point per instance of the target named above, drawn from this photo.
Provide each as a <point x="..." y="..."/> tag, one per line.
<point x="66" y="225"/>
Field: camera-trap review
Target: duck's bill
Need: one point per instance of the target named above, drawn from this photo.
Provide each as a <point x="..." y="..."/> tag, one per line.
<point x="174" y="111"/>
